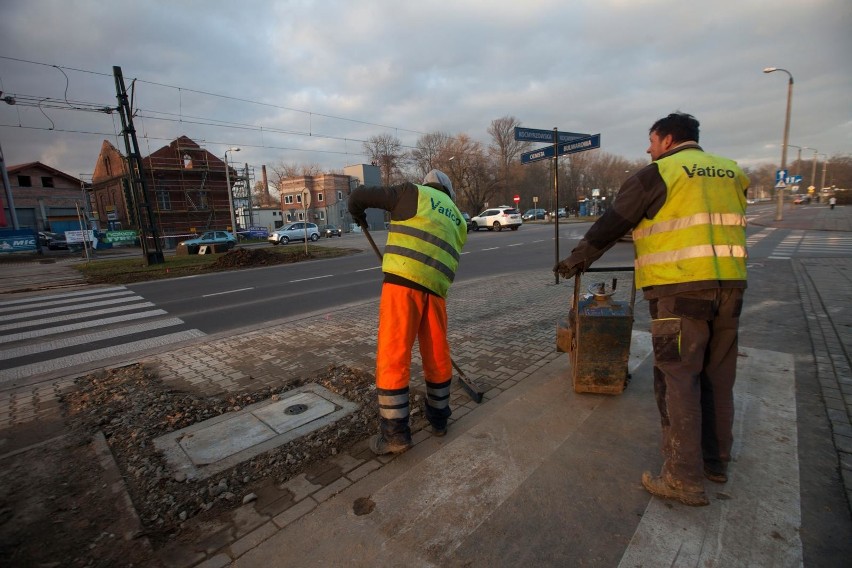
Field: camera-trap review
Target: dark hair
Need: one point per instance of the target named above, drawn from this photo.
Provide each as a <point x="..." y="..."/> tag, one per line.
<point x="680" y="125"/>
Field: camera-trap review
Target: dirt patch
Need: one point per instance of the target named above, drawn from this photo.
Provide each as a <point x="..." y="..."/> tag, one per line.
<point x="57" y="509"/>
<point x="244" y="258"/>
<point x="57" y="504"/>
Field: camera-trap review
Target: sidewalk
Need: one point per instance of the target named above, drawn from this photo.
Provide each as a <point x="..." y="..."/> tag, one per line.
<point x="539" y="475"/>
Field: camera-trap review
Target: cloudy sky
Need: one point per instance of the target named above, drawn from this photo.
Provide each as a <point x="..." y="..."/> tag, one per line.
<point x="306" y="81"/>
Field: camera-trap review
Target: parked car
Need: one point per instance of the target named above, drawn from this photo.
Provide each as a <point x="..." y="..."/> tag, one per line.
<point x="533" y="214"/>
<point x="468" y="221"/>
<point x="496" y="218"/>
<point x="57" y="242"/>
<point x="294" y="232"/>
<point x="802" y="200"/>
<point x="44" y="238"/>
<point x="330" y="231"/>
<point x="210" y="238"/>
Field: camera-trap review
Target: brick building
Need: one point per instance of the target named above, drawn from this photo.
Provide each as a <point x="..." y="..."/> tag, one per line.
<point x="46" y="199"/>
<point x="187" y="190"/>
<point x="327" y="201"/>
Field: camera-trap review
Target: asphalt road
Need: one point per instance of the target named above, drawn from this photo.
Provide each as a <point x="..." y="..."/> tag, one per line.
<point x="219" y="302"/>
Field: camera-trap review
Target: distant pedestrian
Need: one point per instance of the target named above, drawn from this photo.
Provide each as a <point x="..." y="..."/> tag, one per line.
<point x="832" y="201"/>
<point x="687" y="212"/>
<point x="426" y="235"/>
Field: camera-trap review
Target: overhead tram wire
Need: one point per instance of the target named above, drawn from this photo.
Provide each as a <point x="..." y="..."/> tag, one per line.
<point x="238" y="99"/>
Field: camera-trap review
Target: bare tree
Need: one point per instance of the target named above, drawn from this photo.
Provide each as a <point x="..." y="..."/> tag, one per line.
<point x="433" y="151"/>
<point x="471" y="172"/>
<point x="505" y="151"/>
<point x="264" y="198"/>
<point x="385" y="151"/>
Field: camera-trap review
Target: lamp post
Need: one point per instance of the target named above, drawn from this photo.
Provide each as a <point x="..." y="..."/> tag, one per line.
<point x="824" y="167"/>
<point x="779" y="213"/>
<point x="813" y="170"/>
<point x="230" y="193"/>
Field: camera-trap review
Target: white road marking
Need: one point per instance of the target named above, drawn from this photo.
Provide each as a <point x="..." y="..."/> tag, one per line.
<point x="81" y="315"/>
<point x="53" y="301"/>
<point x="81" y="306"/>
<point x="88" y="324"/>
<point x="312" y="278"/>
<point x="87" y="338"/>
<point x="25" y="371"/>
<point x="226" y="292"/>
<point x="64" y="295"/>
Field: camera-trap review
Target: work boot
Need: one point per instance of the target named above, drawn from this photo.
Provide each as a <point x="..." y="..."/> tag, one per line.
<point x="380" y="446"/>
<point x="715" y="476"/>
<point x="655" y="485"/>
<point x="439" y="432"/>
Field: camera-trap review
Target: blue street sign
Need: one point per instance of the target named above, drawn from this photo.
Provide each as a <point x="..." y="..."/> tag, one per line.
<point x="580" y="145"/>
<point x="780" y="175"/>
<point x="577" y="145"/>
<point x="794" y="179"/>
<point x="536" y="155"/>
<point x="545" y="136"/>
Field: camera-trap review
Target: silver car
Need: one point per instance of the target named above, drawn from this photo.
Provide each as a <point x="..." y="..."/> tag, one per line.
<point x="294" y="232"/>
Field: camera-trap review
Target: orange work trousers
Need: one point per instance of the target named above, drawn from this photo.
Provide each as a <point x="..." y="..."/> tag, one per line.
<point x="406" y="314"/>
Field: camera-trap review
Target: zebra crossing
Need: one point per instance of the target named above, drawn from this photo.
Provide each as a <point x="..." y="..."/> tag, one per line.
<point x="784" y="244"/>
<point x="47" y="333"/>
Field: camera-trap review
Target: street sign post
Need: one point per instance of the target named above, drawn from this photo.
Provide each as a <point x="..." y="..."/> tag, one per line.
<point x="561" y="143"/>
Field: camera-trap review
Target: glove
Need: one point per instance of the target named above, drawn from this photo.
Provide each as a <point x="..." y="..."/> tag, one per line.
<point x="568" y="268"/>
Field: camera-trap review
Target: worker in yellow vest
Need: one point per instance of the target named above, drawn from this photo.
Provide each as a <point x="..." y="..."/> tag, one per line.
<point x="426" y="235"/>
<point x="687" y="212"/>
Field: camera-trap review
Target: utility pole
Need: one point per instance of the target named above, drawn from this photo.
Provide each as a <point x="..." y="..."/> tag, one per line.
<point x="153" y="251"/>
<point x="7" y="186"/>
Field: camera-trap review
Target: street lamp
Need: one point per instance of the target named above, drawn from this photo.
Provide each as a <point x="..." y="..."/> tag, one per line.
<point x="813" y="170"/>
<point x="824" y="167"/>
<point x="779" y="213"/>
<point x="230" y="193"/>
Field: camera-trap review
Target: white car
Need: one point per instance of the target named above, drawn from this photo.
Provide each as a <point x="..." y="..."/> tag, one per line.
<point x="294" y="232"/>
<point x="497" y="218"/>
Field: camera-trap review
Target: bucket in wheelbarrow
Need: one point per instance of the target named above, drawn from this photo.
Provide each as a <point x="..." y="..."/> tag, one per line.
<point x="596" y="335"/>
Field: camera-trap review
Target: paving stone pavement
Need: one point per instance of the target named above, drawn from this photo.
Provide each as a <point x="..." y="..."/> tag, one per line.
<point x="502" y="330"/>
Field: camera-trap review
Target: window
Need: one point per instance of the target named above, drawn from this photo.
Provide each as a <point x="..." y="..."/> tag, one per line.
<point x="319" y="196"/>
<point x="164" y="202"/>
<point x="299" y="198"/>
<point x="288" y="199"/>
<point x="47" y="181"/>
<point x="340" y="196"/>
<point x="25" y="181"/>
<point x="107" y="166"/>
<point x="202" y="201"/>
<point x="321" y="215"/>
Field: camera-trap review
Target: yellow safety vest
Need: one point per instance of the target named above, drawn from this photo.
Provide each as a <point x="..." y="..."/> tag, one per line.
<point x="426" y="248"/>
<point x="699" y="233"/>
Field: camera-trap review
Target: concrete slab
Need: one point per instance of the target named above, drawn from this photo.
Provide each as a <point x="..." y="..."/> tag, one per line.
<point x="547" y="477"/>
<point x="206" y="448"/>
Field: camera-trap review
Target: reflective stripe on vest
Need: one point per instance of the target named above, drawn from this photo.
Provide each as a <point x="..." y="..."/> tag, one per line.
<point x="699" y="233"/>
<point x="426" y="248"/>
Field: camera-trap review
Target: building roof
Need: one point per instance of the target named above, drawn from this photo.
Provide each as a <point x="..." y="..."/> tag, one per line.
<point x="39" y="165"/>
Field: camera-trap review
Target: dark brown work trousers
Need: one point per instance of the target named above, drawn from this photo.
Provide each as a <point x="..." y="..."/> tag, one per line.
<point x="695" y="365"/>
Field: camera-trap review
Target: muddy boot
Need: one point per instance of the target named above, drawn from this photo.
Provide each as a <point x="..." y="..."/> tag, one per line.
<point x="655" y="485"/>
<point x="380" y="446"/>
<point x="715" y="474"/>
